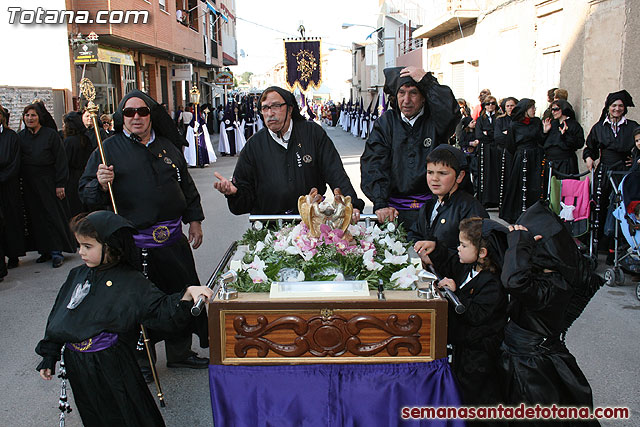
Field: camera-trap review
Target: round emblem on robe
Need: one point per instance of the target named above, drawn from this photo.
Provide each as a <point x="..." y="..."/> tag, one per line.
<point x="161" y="234"/>
<point x="442" y="221"/>
<point x="427" y="142"/>
<point x="307" y="158"/>
<point x="109" y="283"/>
<point x="226" y="122"/>
<point x="167" y="160"/>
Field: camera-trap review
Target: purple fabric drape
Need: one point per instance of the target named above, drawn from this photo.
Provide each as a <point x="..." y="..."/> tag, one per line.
<point x="329" y="395"/>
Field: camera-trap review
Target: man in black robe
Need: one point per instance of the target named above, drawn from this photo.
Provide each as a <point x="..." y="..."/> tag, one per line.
<point x="284" y="161"/>
<point x="424" y="114"/>
<point x="44" y="173"/>
<point x="11" y="214"/>
<point x="154" y="191"/>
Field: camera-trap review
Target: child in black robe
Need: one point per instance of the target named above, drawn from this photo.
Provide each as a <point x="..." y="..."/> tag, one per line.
<point x="100" y="304"/>
<point x="439" y="217"/>
<point x="473" y="274"/>
<point x="550" y="283"/>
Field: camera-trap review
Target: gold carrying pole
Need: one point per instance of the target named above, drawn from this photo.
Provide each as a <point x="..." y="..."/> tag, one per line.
<point x="89" y="92"/>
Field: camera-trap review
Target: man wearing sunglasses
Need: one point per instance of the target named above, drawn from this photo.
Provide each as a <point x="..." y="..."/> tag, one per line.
<point x="153" y="189"/>
<point x="284" y="161"/>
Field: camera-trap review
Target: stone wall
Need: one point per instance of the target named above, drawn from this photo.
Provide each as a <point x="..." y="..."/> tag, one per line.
<point x="15" y="99"/>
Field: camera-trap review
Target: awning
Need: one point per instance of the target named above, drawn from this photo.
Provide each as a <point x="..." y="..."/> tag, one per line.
<point x="214" y="10"/>
<point x="114" y="57"/>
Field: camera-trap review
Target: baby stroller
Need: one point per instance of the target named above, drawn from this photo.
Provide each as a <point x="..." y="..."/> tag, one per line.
<point x="627" y="200"/>
<point x="570" y="198"/>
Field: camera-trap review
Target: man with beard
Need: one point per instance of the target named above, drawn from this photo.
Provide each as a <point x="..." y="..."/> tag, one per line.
<point x="153" y="189"/>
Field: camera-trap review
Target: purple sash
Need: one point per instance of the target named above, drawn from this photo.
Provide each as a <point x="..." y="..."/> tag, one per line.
<point x="100" y="342"/>
<point x="409" y="203"/>
<point x="164" y="233"/>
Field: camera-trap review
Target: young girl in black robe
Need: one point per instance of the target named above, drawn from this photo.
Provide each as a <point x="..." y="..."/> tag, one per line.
<point x="473" y="274"/>
<point x="98" y="307"/>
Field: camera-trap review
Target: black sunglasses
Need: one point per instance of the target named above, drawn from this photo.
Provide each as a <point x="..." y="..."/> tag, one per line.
<point x="555" y="109"/>
<point x="142" y="111"/>
<point x="491" y="103"/>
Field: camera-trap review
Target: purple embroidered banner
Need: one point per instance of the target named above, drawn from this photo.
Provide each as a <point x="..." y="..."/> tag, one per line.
<point x="330" y="395"/>
<point x="303" y="63"/>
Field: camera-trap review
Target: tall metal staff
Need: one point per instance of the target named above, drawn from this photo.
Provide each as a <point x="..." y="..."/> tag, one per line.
<point x="89" y="92"/>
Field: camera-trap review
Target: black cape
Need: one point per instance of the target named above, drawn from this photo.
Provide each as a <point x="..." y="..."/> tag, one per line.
<point x="43" y="169"/>
<point x="107" y="385"/>
<point x="561" y="148"/>
<point x="500" y="133"/>
<point x="78" y="150"/>
<point x="477" y="333"/>
<point x="458" y="206"/>
<point x="525" y="142"/>
<point x="270" y="178"/>
<point x="394" y="162"/>
<point x="536" y="366"/>
<point x="489" y="162"/>
<point x="11" y="210"/>
<point x="152" y="184"/>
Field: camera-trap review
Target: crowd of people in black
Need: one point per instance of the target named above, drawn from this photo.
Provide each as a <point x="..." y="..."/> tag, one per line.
<point x="410" y="169"/>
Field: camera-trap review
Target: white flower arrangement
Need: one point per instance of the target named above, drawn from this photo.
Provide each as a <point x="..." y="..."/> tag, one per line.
<point x="292" y="254"/>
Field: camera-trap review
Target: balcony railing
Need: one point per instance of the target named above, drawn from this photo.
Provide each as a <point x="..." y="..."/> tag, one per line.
<point x="409" y="45"/>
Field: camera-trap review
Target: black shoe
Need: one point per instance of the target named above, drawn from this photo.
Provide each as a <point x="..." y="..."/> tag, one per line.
<point x="57" y="261"/>
<point x="193" y="362"/>
<point x="43" y="258"/>
<point x="13" y="262"/>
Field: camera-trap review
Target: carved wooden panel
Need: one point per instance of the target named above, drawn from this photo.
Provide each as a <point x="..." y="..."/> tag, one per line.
<point x="257" y="332"/>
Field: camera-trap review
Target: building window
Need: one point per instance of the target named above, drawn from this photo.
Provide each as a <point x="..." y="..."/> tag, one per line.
<point x="129" y="78"/>
<point x="163" y="4"/>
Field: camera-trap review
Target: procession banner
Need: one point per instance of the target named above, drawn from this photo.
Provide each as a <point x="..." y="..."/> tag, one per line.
<point x="303" y="63"/>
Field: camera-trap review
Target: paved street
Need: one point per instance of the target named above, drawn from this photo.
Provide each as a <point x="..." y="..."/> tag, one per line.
<point x="604" y="340"/>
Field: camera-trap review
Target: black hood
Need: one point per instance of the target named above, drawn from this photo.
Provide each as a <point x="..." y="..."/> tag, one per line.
<point x="556" y="250"/>
<point x="393" y="82"/>
<point x="73" y="121"/>
<point x="457" y="153"/>
<point x="621" y="95"/>
<point x="107" y="223"/>
<point x="162" y="124"/>
<point x="289" y="99"/>
<point x="567" y="109"/>
<point x="521" y="108"/>
<point x="495" y="234"/>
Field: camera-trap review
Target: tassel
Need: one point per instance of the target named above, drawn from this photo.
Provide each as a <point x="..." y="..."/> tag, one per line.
<point x="63" y="403"/>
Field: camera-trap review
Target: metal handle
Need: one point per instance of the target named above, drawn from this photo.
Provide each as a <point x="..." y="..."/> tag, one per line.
<point x="197" y="307"/>
<point x="458" y="306"/>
